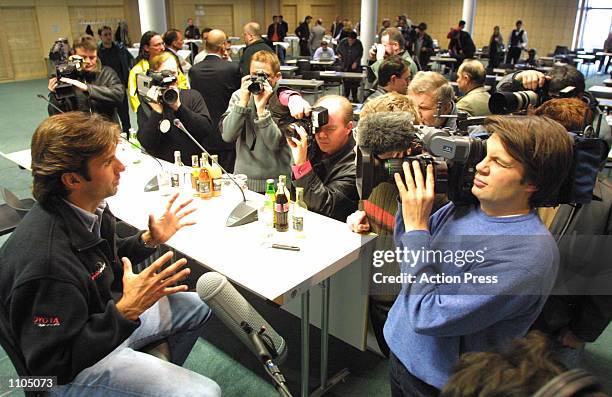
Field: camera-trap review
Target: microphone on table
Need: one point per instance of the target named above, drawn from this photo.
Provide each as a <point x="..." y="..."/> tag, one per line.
<point x="150" y="186"/>
<point x="233" y="310"/>
<point x="245" y="212"/>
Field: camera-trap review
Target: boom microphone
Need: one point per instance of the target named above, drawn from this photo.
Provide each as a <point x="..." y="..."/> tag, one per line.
<point x="233" y="309"/>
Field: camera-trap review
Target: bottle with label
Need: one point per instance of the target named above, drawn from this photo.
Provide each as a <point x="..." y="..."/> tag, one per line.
<point x="215" y="174"/>
<point x="266" y="213"/>
<point x="133" y="138"/>
<point x="298" y="211"/>
<point x="195" y="175"/>
<point x="178" y="170"/>
<point x="283" y="179"/>
<point x="281" y="210"/>
<point x="204" y="181"/>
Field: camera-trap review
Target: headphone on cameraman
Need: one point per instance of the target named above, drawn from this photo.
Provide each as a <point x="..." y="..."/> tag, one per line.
<point x="569" y="384"/>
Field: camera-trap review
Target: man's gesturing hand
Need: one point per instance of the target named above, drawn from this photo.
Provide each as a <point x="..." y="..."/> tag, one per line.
<point x="164" y="227"/>
<point x="141" y="291"/>
<point x="417" y="196"/>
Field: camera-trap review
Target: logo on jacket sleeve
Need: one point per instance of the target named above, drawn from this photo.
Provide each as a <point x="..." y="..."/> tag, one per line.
<point x="96" y="275"/>
<point x="46" y="321"/>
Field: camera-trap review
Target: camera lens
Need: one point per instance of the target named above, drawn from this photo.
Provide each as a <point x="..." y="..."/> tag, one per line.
<point x="170" y="96"/>
<point x="255" y="88"/>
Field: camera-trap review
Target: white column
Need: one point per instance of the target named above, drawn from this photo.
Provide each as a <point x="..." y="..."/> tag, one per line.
<point x="469" y="11"/>
<point x="369" y="15"/>
<point x="152" y="15"/>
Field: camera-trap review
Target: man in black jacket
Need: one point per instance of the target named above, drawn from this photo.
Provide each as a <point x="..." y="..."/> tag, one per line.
<point x="350" y="51"/>
<point x="156" y="130"/>
<point x="325" y="168"/>
<point x="75" y="308"/>
<point x="117" y="57"/>
<point x="216" y="79"/>
<point x="98" y="89"/>
<point x="303" y="33"/>
<point x="254" y="43"/>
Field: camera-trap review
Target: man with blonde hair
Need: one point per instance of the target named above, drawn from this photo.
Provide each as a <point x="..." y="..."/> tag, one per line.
<point x="470" y="79"/>
<point x="428" y="90"/>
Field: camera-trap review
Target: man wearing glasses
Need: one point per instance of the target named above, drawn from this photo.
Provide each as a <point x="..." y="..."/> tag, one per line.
<point x="393" y="76"/>
<point x="256" y="118"/>
<point x="118" y="58"/>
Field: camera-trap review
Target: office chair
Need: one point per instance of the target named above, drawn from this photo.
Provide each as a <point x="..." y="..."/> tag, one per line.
<point x="21" y="206"/>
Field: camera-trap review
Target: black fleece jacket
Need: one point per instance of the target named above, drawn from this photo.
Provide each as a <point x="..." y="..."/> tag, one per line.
<point x="59" y="284"/>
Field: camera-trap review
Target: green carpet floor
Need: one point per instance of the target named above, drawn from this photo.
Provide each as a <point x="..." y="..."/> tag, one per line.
<point x="218" y="354"/>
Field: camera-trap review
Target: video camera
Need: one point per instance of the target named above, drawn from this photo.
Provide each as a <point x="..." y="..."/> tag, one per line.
<point x="65" y="66"/>
<point x="319" y="117"/>
<point x="513" y="102"/>
<point x="453" y="157"/>
<point x="155" y="87"/>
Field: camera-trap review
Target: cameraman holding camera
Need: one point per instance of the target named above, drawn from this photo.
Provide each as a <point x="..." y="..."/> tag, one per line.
<point x="325" y="166"/>
<point x="552" y="85"/>
<point x="252" y="120"/>
<point x="97" y="89"/>
<point x="452" y="306"/>
<point x="156" y="130"/>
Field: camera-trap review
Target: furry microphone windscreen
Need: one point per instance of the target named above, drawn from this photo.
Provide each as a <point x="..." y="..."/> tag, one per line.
<point x="386" y="131"/>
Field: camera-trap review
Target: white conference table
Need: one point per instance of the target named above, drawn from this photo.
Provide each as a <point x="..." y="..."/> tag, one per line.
<point x="300" y="83"/>
<point x="242" y="253"/>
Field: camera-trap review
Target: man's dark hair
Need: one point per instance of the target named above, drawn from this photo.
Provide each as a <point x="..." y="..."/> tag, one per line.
<point x="103" y="28"/>
<point x="308" y="17"/>
<point x="65" y="143"/>
<point x="519" y="21"/>
<point x="565" y="76"/>
<point x="206" y="30"/>
<point x="462" y="23"/>
<point x="392" y="66"/>
<point x="394" y="35"/>
<point x="352" y="34"/>
<point x="170" y="36"/>
<point x="422" y="26"/>
<point x="541" y="145"/>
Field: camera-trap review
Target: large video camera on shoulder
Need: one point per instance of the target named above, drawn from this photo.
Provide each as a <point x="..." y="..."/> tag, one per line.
<point x="66" y="65"/>
<point x="452" y="155"/>
<point x="156" y="87"/>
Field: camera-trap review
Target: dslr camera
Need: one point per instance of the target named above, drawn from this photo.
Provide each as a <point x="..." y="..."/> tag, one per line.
<point x="65" y="66"/>
<point x="319" y="117"/>
<point x="155" y="87"/>
<point x="519" y="101"/>
<point x="453" y="156"/>
<point x="258" y="79"/>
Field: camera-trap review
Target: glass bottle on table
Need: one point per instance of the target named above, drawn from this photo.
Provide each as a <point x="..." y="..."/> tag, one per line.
<point x="195" y="175"/>
<point x="204" y="180"/>
<point x="298" y="210"/>
<point x="281" y="210"/>
<point x="283" y="179"/>
<point x="178" y="170"/>
<point x="215" y="174"/>
<point x="266" y="212"/>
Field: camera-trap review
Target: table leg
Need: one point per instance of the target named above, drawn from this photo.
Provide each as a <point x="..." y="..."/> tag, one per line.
<point x="305" y="342"/>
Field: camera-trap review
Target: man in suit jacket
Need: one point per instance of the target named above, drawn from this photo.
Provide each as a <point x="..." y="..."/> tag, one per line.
<point x="316" y="35"/>
<point x="470" y="79"/>
<point x="216" y="79"/>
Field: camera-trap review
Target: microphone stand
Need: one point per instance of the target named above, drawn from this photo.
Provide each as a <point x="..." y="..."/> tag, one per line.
<point x="264" y="356"/>
<point x="243" y="213"/>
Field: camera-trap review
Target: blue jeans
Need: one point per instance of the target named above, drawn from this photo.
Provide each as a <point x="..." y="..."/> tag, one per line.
<point x="126" y="371"/>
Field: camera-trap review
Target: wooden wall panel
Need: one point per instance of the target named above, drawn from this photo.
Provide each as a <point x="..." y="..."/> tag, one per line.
<point x="25" y="50"/>
<point x="96" y="16"/>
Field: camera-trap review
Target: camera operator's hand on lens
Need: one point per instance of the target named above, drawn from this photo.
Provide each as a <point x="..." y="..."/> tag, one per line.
<point x="161" y="229"/>
<point x="176" y="105"/>
<point x="358" y="222"/>
<point x="417" y="196"/>
<point x="299" y="147"/>
<point x="532" y="79"/>
<point x="261" y="100"/>
<point x="142" y="290"/>
<point x="78" y="84"/>
<point x="372" y="52"/>
<point x="245" y="94"/>
<point x="298" y="107"/>
<point x="52" y="84"/>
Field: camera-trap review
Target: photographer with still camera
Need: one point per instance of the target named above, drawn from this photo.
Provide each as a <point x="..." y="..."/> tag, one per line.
<point x="162" y="102"/>
<point x="254" y="118"/>
<point x="324" y="159"/>
<point x="81" y="82"/>
<point x="519" y="90"/>
<point x="453" y="305"/>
